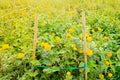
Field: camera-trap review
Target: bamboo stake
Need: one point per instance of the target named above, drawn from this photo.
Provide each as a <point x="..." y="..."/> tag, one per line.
<point x="35" y="36"/>
<point x="84" y="42"/>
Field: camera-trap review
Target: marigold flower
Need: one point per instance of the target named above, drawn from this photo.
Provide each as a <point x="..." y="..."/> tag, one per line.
<point x="109" y="54"/>
<point x="81" y="70"/>
<point x="80" y="36"/>
<point x="81" y="51"/>
<point x="47" y="47"/>
<point x="57" y="39"/>
<point x="68" y="35"/>
<point x="110" y="75"/>
<point x="68" y="73"/>
<point x="107" y="63"/>
<point x="74" y="23"/>
<point x="71" y="30"/>
<point x="89" y="52"/>
<point x="43" y="24"/>
<point x="5" y="46"/>
<point x="93" y="30"/>
<point x="101" y="76"/>
<point x="20" y="55"/>
<point x="89" y="39"/>
<point x="105" y="38"/>
<point x="99" y="29"/>
<point x="74" y="47"/>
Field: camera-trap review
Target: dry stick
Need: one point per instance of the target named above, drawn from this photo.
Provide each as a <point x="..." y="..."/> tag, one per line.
<point x="84" y="42"/>
<point x="35" y="36"/>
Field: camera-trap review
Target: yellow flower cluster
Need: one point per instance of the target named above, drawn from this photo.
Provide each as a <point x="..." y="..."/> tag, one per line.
<point x="46" y="46"/>
<point x="57" y="39"/>
<point x="109" y="54"/>
<point x="68" y="35"/>
<point x="20" y="55"/>
<point x="89" y="52"/>
<point x="101" y="76"/>
<point x="99" y="29"/>
<point x="93" y="30"/>
<point x="107" y="63"/>
<point x="71" y="30"/>
<point x="5" y="46"/>
<point x="110" y="75"/>
<point x="74" y="47"/>
<point x="89" y="39"/>
<point x="68" y="73"/>
<point x="105" y="38"/>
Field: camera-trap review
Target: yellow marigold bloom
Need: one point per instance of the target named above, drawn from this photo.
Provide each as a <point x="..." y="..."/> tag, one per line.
<point x="43" y="24"/>
<point x="81" y="51"/>
<point x="107" y="63"/>
<point x="89" y="52"/>
<point x="110" y="75"/>
<point x="42" y="44"/>
<point x="109" y="54"/>
<point x="68" y="35"/>
<point x="74" y="47"/>
<point x="57" y="39"/>
<point x="48" y="64"/>
<point x="105" y="38"/>
<point x="74" y="23"/>
<point x="5" y="46"/>
<point x="20" y="55"/>
<point x="71" y="12"/>
<point x="80" y="36"/>
<point x="71" y="30"/>
<point x="81" y="70"/>
<point x="68" y="73"/>
<point x="87" y="35"/>
<point x="99" y="29"/>
<point x="48" y="16"/>
<point x="47" y="47"/>
<point x="36" y="41"/>
<point x="93" y="30"/>
<point x="89" y="39"/>
<point x="101" y="76"/>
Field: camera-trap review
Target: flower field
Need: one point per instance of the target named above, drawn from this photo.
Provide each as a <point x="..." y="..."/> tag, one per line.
<point x="57" y="52"/>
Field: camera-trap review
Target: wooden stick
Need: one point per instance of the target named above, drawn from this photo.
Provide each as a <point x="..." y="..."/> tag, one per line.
<point x="84" y="42"/>
<point x="35" y="36"/>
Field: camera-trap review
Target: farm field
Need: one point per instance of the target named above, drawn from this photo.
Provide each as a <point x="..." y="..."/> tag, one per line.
<point x="59" y="49"/>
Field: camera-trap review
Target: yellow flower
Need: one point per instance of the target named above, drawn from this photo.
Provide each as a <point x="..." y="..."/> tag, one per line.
<point x="42" y="44"/>
<point x="5" y="46"/>
<point x="68" y="73"/>
<point x="105" y="38"/>
<point x="57" y="39"/>
<point x="71" y="12"/>
<point x="107" y="63"/>
<point x="47" y="47"/>
<point x="89" y="52"/>
<point x="49" y="13"/>
<point x="101" y="76"/>
<point x="74" y="47"/>
<point x="48" y="64"/>
<point x="99" y="29"/>
<point x="43" y="24"/>
<point x="71" y="30"/>
<point x="87" y="35"/>
<point x="68" y="35"/>
<point x="110" y="75"/>
<point x="109" y="54"/>
<point x="89" y="39"/>
<point x="81" y="51"/>
<point x="80" y="36"/>
<point x="20" y="55"/>
<point x="74" y="23"/>
<point x="81" y="70"/>
<point x="93" y="30"/>
<point x="36" y="41"/>
<point x="48" y="16"/>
